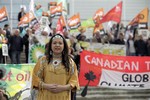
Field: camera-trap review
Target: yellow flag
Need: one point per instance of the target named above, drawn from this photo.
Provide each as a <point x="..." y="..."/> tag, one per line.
<point x="142" y="17"/>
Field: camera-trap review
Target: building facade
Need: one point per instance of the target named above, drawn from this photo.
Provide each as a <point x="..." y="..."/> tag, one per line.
<point x="86" y="8"/>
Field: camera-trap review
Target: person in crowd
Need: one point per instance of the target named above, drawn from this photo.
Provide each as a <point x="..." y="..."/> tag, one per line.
<point x="6" y="28"/>
<point x="116" y="35"/>
<point x="32" y="38"/>
<point x="1" y="37"/>
<point x="33" y="30"/>
<point x="3" y="40"/>
<point x="140" y="46"/>
<point x="43" y="37"/>
<point x="44" y="33"/>
<point x="97" y="37"/>
<point x="66" y="33"/>
<point x="55" y="75"/>
<point x="135" y="34"/>
<point x="81" y="36"/>
<point x="74" y="52"/>
<point x="122" y="29"/>
<point x="16" y="47"/>
<point x="21" y="14"/>
<point x="114" y="30"/>
<point x="110" y="38"/>
<point x="8" y="35"/>
<point x="26" y="42"/>
<point x="148" y="47"/>
<point x="130" y="46"/>
<point x="120" y="40"/>
<point x="77" y="49"/>
<point x="71" y="50"/>
<point x="53" y="31"/>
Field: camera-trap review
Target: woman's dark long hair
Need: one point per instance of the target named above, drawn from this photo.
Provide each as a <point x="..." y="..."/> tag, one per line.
<point x="65" y="52"/>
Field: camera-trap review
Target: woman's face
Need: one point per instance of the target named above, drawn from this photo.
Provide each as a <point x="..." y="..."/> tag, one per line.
<point x="57" y="45"/>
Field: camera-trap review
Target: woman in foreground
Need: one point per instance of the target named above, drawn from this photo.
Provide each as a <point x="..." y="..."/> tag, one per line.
<point x="55" y="75"/>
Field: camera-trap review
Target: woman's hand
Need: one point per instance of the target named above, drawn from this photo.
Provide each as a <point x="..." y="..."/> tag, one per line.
<point x="55" y="88"/>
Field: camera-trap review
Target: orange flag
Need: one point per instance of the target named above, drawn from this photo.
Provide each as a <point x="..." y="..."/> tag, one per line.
<point x="56" y="10"/>
<point x="3" y="14"/>
<point x="98" y="26"/>
<point x="96" y="18"/>
<point x="141" y="19"/>
<point x="28" y="20"/>
<point x="99" y="12"/>
<point x="74" y="22"/>
<point x="114" y="14"/>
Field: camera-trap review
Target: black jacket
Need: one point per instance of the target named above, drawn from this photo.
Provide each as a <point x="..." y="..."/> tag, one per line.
<point x="26" y="42"/>
<point x="20" y="15"/>
<point x="16" y="43"/>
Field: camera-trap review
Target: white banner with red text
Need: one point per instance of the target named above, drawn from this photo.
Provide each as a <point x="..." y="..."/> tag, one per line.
<point x="121" y="72"/>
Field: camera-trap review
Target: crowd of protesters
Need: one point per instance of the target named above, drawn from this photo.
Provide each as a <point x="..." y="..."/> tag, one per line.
<point x="118" y="34"/>
<point x="135" y="44"/>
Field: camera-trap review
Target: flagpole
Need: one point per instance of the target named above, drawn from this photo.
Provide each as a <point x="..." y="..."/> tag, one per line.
<point x="73" y="7"/>
<point x="31" y="8"/>
<point x="66" y="17"/>
<point x="11" y="9"/>
<point x="124" y="1"/>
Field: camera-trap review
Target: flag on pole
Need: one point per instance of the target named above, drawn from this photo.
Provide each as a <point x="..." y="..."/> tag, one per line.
<point x="28" y="20"/>
<point x="60" y="25"/>
<point x="98" y="26"/>
<point x="64" y="6"/>
<point x="114" y="14"/>
<point x="96" y="18"/>
<point x="56" y="10"/>
<point x="31" y="6"/>
<point x="74" y="22"/>
<point x="141" y="19"/>
<point x="3" y="14"/>
<point x="100" y="13"/>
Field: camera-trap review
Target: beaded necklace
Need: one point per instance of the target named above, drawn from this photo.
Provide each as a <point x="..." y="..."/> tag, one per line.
<point x="56" y="62"/>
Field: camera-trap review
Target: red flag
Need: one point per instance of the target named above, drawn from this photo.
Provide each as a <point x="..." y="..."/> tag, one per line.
<point x="114" y="14"/>
<point x="60" y="25"/>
